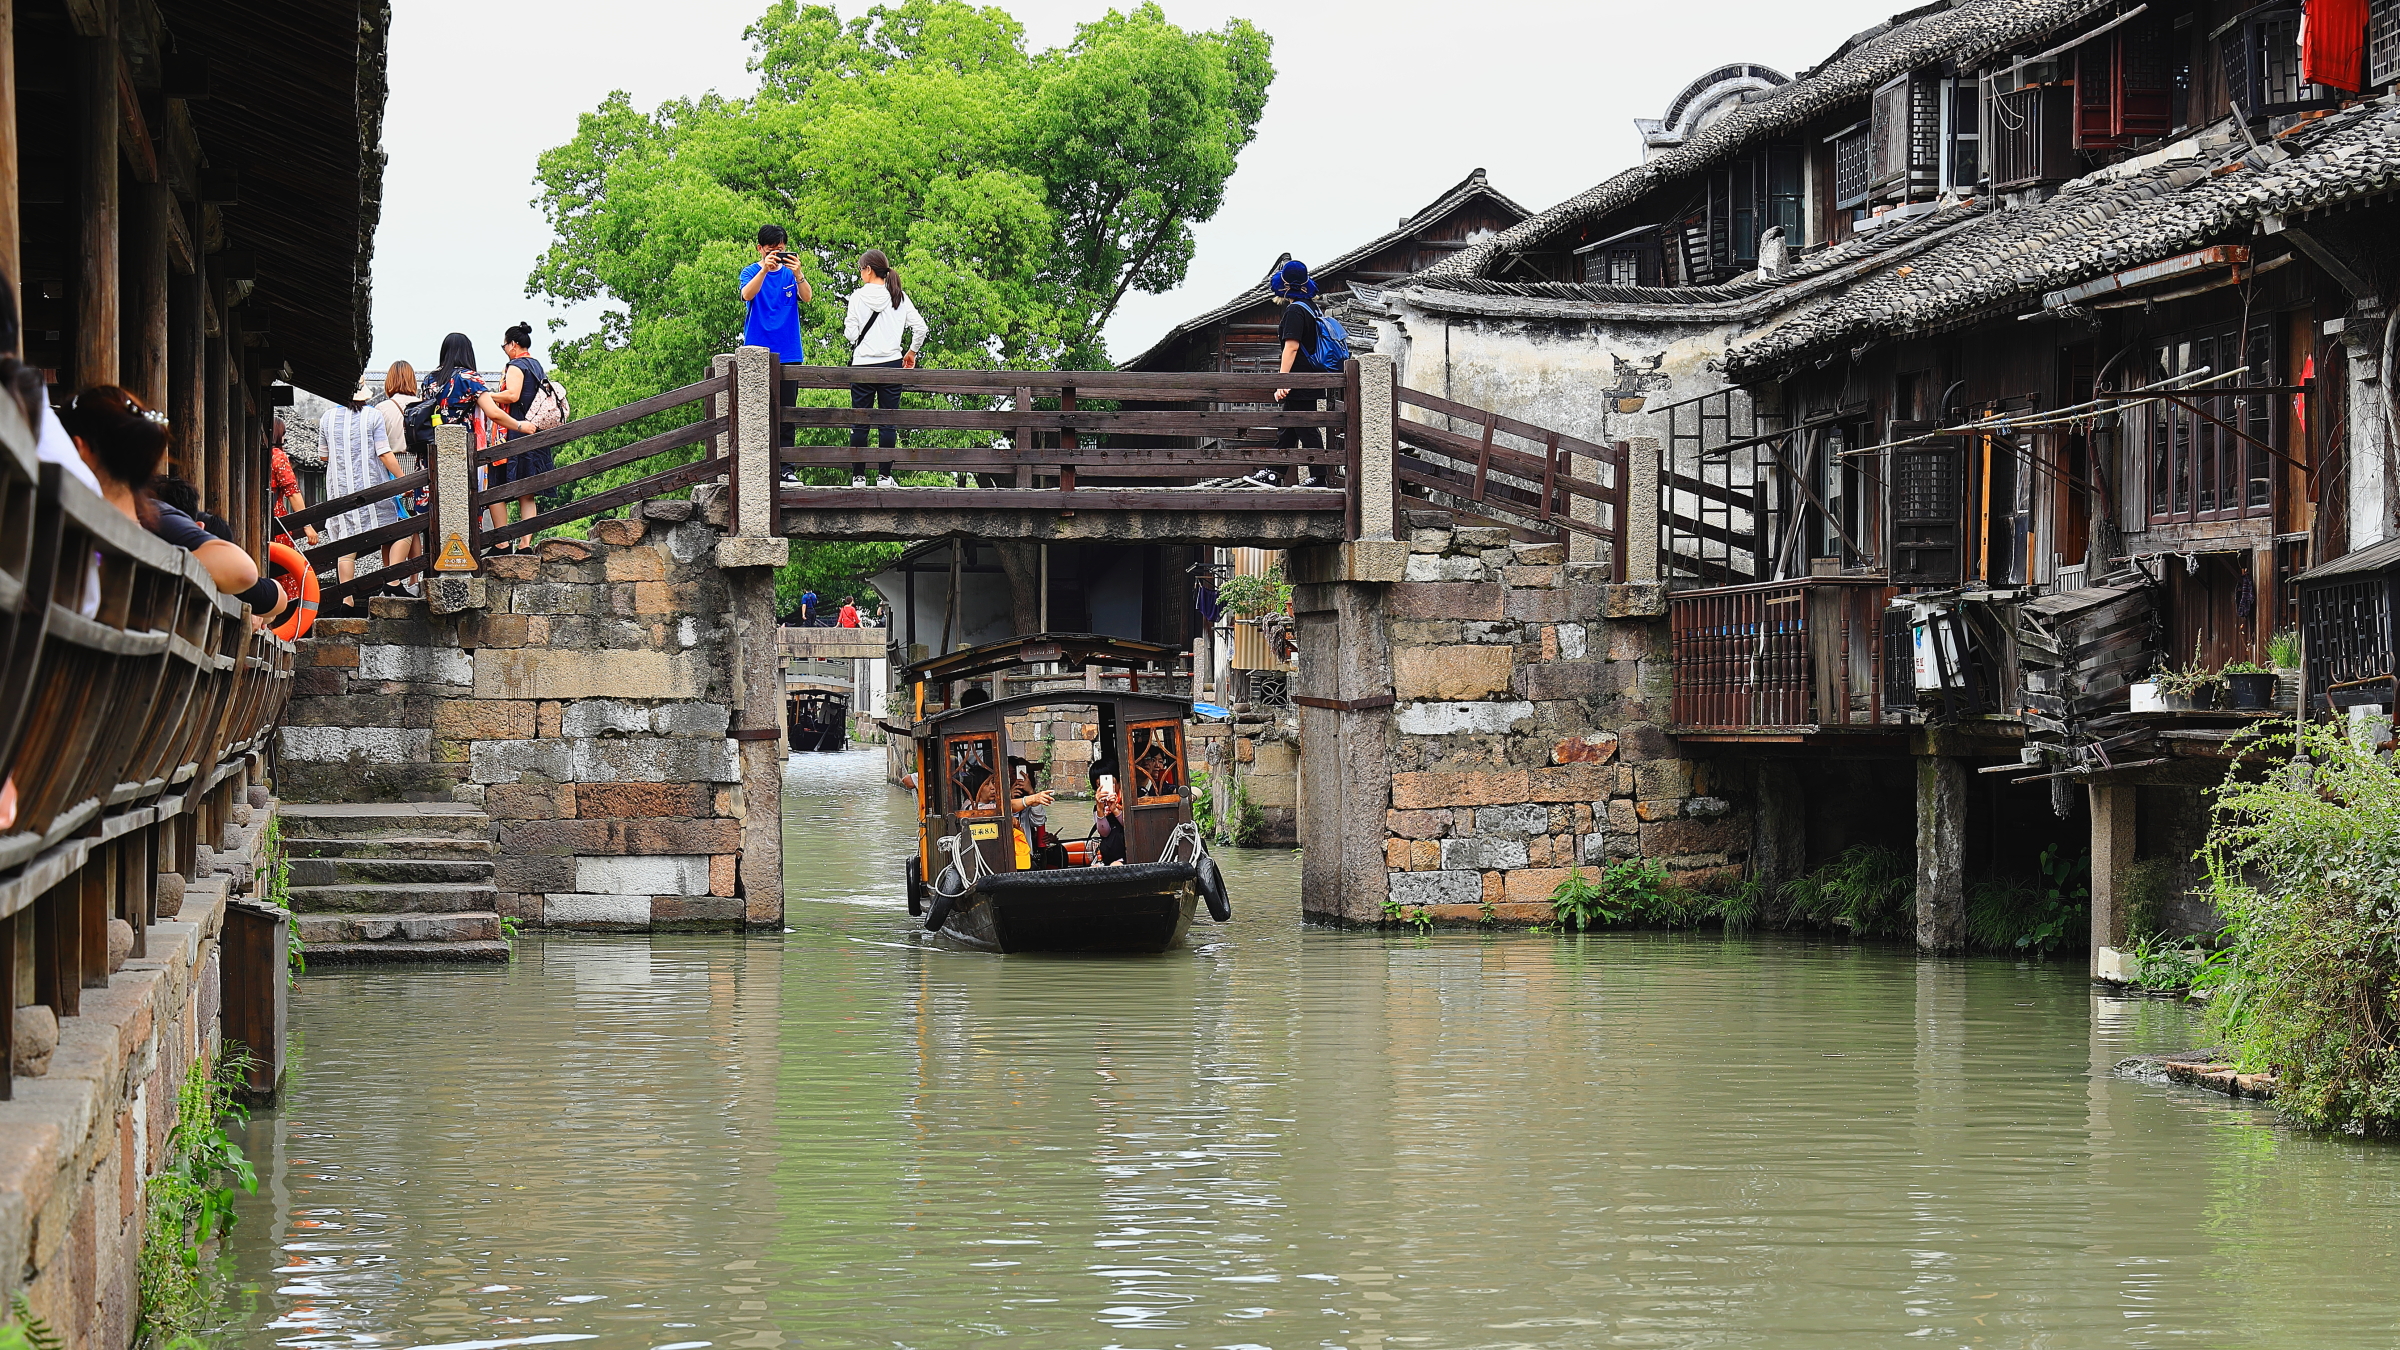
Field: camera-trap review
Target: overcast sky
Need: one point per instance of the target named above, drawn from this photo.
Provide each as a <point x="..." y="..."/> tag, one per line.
<point x="1377" y="106"/>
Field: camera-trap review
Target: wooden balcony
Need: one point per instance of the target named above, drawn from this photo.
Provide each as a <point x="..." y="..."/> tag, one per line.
<point x="1780" y="660"/>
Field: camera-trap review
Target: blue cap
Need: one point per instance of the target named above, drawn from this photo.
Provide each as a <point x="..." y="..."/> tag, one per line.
<point x="1291" y="278"/>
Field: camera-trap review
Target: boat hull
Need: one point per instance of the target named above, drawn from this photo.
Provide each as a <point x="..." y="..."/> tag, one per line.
<point x="1144" y="907"/>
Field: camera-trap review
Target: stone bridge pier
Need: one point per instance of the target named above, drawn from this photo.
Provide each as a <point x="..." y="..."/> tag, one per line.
<point x="609" y="709"/>
<point x="1480" y="715"/>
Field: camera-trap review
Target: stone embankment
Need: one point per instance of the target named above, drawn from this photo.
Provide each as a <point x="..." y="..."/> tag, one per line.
<point x="588" y="699"/>
<point x="2200" y="1069"/>
<point x="95" y="1095"/>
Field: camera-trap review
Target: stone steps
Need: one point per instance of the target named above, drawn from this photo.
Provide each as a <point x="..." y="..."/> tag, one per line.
<point x="371" y="929"/>
<point x="396" y="881"/>
<point x="389" y="870"/>
<point x="419" y="848"/>
<point x="429" y="897"/>
<point x="330" y="820"/>
<point x="369" y="953"/>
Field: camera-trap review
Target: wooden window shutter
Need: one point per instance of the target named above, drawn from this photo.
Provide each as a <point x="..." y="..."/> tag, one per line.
<point x="1904" y="134"/>
<point x="1887" y="137"/>
<point x="2145" y="80"/>
<point x="1929" y="484"/>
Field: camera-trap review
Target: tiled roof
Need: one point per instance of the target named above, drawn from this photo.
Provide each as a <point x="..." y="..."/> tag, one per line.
<point x="1963" y="30"/>
<point x="2154" y="207"/>
<point x="1467" y="188"/>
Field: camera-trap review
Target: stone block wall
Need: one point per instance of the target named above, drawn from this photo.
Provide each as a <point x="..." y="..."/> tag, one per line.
<point x="1528" y="734"/>
<point x="586" y="706"/>
<point x="1257" y="753"/>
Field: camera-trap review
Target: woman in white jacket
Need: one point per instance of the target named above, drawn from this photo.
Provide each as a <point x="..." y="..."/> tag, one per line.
<point x="884" y="330"/>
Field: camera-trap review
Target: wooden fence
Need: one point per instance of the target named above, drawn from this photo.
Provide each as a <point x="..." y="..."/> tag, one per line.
<point x="131" y="692"/>
<point x="1781" y="656"/>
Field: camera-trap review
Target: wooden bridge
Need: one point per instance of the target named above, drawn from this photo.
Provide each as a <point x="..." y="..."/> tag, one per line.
<point x="1038" y="455"/>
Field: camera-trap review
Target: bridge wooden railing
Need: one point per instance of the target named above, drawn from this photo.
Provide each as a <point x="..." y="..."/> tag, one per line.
<point x="1166" y="433"/>
<point x="1527" y="484"/>
<point x="1783" y="658"/>
<point x="468" y="519"/>
<point x="131" y="690"/>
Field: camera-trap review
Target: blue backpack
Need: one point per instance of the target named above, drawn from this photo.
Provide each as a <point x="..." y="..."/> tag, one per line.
<point x="1333" y="341"/>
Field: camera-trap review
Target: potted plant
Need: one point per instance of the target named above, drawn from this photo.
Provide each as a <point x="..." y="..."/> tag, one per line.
<point x="2177" y="689"/>
<point x="2252" y="685"/>
<point x="2283" y="653"/>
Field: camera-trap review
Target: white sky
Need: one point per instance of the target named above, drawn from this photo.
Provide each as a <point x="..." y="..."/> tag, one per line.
<point x="1376" y="107"/>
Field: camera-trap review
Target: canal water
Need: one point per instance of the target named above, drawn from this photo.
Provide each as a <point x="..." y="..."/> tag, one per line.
<point x="852" y="1135"/>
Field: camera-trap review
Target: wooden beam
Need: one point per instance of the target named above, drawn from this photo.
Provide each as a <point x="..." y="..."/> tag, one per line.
<point x="134" y="131"/>
<point x="187" y="368"/>
<point x="10" y="237"/>
<point x="97" y="313"/>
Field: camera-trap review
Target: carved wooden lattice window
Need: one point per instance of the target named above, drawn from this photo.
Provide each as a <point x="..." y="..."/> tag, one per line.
<point x="2261" y="51"/>
<point x="2383" y="43"/>
<point x="1929" y="484"/>
<point x="1905" y="139"/>
<point x="1850" y="169"/>
<point x="2346" y="630"/>
<point x="2204" y="453"/>
<point x="1157" y="763"/>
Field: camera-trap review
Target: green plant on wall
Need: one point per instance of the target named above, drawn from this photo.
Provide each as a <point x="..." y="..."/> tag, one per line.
<point x="24" y="1331"/>
<point x="190" y="1202"/>
<point x="1414" y="916"/>
<point x="1255" y="597"/>
<point x="279" y="894"/>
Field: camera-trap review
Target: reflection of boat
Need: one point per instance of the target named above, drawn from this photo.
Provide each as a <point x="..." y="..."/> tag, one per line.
<point x="818" y="719"/>
<point x="998" y="882"/>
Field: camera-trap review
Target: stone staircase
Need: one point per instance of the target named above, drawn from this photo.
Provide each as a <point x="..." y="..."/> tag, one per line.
<point x="393" y="881"/>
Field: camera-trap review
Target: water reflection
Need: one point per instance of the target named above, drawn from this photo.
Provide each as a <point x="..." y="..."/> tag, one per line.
<point x="856" y="1135"/>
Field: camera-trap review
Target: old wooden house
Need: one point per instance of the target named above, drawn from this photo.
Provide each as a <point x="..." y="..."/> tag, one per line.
<point x="2016" y="351"/>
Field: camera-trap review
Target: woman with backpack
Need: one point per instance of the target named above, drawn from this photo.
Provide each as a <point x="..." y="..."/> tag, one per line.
<point x="455" y="394"/>
<point x="1297" y="333"/>
<point x="399" y="391"/>
<point x="520" y="384"/>
<point x="880" y="344"/>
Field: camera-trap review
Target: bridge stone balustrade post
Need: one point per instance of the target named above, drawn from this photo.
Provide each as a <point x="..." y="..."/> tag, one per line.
<point x="1378" y="493"/>
<point x="453" y="585"/>
<point x="1641" y="509"/>
<point x="750" y="553"/>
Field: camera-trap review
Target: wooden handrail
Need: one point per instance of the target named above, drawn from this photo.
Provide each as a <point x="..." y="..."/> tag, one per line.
<point x="1417" y="398"/>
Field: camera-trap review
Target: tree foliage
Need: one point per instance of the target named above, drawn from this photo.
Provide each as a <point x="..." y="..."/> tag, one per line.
<point x="2305" y="866"/>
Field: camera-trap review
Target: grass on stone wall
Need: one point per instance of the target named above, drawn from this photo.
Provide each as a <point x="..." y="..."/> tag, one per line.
<point x="189" y="1204"/>
<point x="1866" y="891"/>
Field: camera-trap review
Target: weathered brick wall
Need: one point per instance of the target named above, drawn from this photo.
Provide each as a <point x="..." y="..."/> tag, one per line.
<point x="1529" y="733"/>
<point x="1258" y="753"/>
<point x="585" y="706"/>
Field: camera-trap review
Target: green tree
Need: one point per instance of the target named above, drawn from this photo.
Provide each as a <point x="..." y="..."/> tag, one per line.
<point x="1022" y="196"/>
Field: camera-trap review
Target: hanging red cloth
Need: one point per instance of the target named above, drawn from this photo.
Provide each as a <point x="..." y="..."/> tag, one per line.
<point x="2333" y="43"/>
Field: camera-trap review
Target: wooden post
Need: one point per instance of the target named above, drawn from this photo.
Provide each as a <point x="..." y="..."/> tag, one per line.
<point x="97" y="117"/>
<point x="145" y="362"/>
<point x="9" y="993"/>
<point x="2114" y="843"/>
<point x="1941" y="848"/>
<point x="217" y="397"/>
<point x="1026" y="440"/>
<point x="187" y="370"/>
<point x="10" y="234"/>
<point x="254" y="951"/>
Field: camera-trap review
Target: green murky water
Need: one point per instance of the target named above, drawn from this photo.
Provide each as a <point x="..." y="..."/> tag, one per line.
<point x="851" y="1136"/>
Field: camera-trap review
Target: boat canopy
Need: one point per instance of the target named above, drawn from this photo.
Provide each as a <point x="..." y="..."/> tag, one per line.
<point x="989" y="716"/>
<point x="1073" y="649"/>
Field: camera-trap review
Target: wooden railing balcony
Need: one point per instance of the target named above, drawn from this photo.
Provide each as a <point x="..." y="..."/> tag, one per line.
<point x="1779" y="658"/>
<point x="132" y="693"/>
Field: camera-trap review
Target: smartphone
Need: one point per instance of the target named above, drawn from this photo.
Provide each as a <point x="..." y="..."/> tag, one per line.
<point x="1108" y="784"/>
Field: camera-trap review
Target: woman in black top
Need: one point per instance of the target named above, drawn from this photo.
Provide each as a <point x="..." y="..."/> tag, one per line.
<point x="124" y="443"/>
<point x="518" y="386"/>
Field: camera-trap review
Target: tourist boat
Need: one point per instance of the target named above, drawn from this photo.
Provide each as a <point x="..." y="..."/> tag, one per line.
<point x="817" y="719"/>
<point x="995" y="887"/>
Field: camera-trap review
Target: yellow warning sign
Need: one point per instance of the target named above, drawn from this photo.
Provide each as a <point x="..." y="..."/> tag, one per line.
<point x="455" y="557"/>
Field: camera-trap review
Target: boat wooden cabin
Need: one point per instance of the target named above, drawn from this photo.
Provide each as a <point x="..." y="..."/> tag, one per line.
<point x="816" y="716"/>
<point x="998" y="883"/>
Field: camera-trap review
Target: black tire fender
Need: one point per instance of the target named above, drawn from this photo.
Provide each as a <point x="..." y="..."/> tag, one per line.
<point x="948" y="888"/>
<point x="916" y="887"/>
<point x="1212" y="889"/>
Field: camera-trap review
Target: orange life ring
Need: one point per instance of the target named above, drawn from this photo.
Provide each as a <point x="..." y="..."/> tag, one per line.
<point x="287" y="560"/>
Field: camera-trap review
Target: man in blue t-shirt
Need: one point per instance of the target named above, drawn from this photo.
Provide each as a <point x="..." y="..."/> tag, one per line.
<point x="775" y="291"/>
